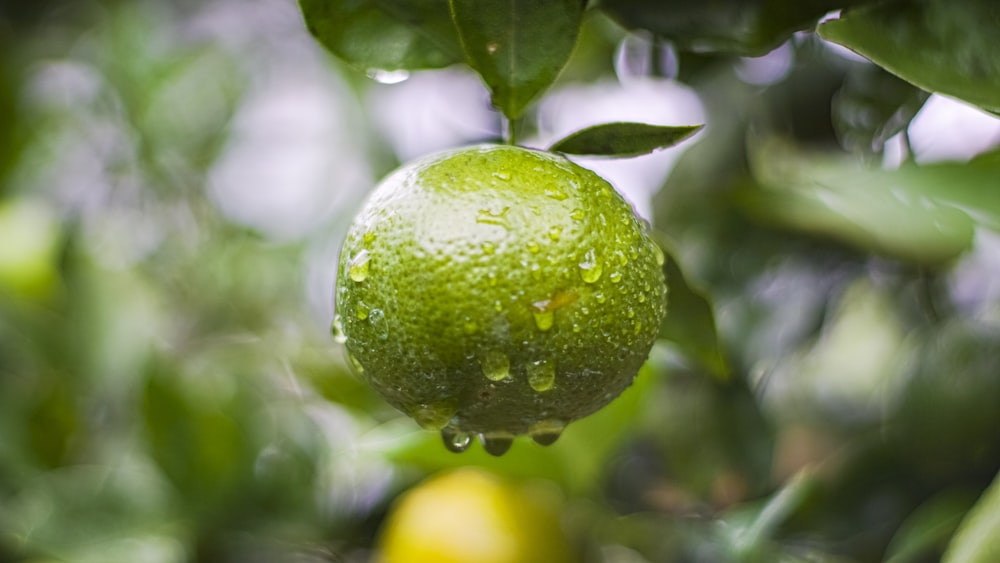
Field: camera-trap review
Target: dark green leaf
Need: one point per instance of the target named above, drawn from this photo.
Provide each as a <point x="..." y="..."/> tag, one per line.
<point x="690" y="321"/>
<point x="745" y="27"/>
<point x="517" y="46"/>
<point x="978" y="536"/>
<point x="624" y="139"/>
<point x="872" y="107"/>
<point x="948" y="47"/>
<point x="385" y="35"/>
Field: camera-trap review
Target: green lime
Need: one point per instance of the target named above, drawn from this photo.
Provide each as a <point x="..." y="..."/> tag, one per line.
<point x="471" y="515"/>
<point x="498" y="291"/>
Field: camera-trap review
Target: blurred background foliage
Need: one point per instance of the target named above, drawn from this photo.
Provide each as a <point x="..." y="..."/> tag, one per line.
<point x="175" y="178"/>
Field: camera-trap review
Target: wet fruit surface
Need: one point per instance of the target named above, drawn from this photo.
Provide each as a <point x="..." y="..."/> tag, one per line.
<point x="498" y="291"/>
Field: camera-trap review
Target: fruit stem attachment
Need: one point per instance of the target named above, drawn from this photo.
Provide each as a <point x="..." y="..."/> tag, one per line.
<point x="511" y="127"/>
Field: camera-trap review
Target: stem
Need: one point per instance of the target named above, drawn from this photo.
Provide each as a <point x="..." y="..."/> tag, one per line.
<point x="511" y="130"/>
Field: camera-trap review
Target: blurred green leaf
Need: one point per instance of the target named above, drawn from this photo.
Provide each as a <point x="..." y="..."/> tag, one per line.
<point x="517" y="46"/>
<point x="923" y="214"/>
<point x="943" y="46"/>
<point x="623" y="139"/>
<point x="745" y="27"/>
<point x="385" y="35"/>
<point x="925" y="533"/>
<point x="690" y="320"/>
<point x="978" y="536"/>
<point x="872" y="107"/>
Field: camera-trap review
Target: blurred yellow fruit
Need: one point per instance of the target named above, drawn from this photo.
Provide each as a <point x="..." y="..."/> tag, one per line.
<point x="471" y="516"/>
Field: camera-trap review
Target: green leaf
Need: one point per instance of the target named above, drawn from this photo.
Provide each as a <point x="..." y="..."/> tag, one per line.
<point x="518" y="47"/>
<point x="948" y="47"/>
<point x="385" y="35"/>
<point x="926" y="531"/>
<point x="623" y="139"/>
<point x="690" y="320"/>
<point x="745" y="27"/>
<point x="978" y="536"/>
<point x="922" y="214"/>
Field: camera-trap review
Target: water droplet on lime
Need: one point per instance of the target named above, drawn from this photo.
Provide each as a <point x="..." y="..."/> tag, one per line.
<point x="600" y="297"/>
<point x="496" y="365"/>
<point x="361" y="311"/>
<point x="338" y="330"/>
<point x="533" y="247"/>
<point x="615" y="277"/>
<point x="489" y="248"/>
<point x="658" y="255"/>
<point x="355" y="363"/>
<point x="590" y="267"/>
<point x="433" y="417"/>
<point x="369" y="237"/>
<point x="469" y="327"/>
<point x="357" y="268"/>
<point x="541" y="375"/>
<point x="577" y="214"/>
<point x="377" y="319"/>
<point x="555" y="233"/>
<point x="544" y="319"/>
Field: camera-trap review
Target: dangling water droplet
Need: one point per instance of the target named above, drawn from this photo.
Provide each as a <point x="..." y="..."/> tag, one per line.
<point x="544" y="319"/>
<point x="361" y="311"/>
<point x="433" y="417"/>
<point x="546" y="432"/>
<point x="658" y="255"/>
<point x="377" y="319"/>
<point x="615" y="277"/>
<point x="454" y="440"/>
<point x="496" y="445"/>
<point x="383" y="76"/>
<point x="555" y="233"/>
<point x="489" y="248"/>
<point x="496" y="365"/>
<point x="541" y="375"/>
<point x="590" y="267"/>
<point x="338" y="330"/>
<point x="358" y="266"/>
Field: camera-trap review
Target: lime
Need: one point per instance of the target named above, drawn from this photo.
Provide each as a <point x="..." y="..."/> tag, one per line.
<point x="471" y="515"/>
<point x="498" y="291"/>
